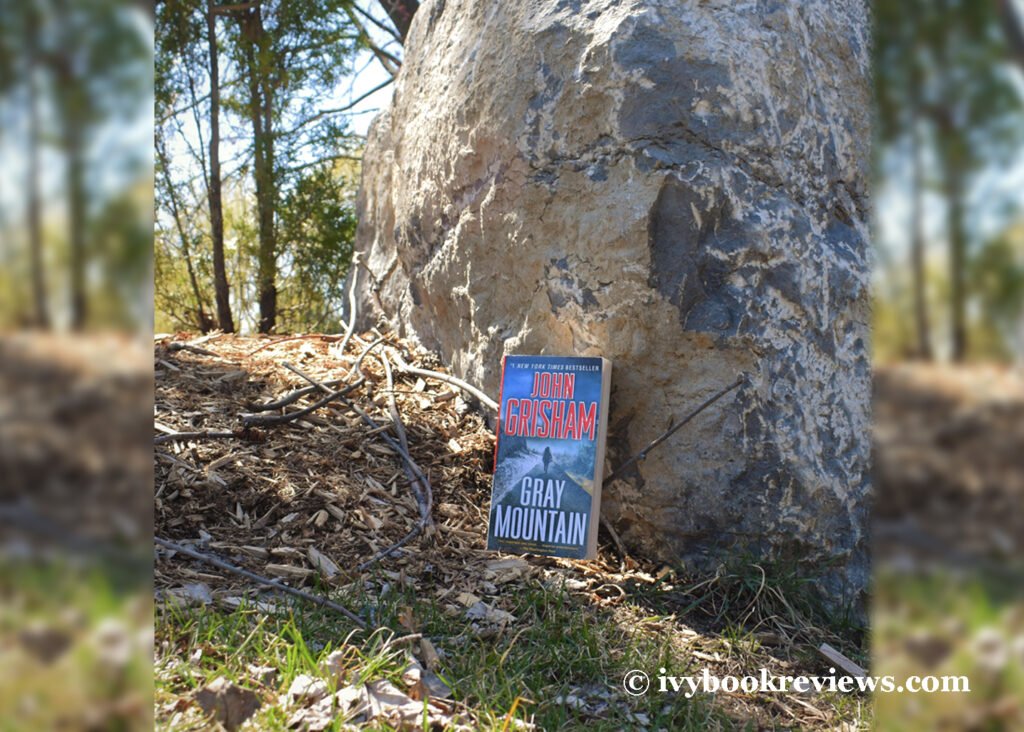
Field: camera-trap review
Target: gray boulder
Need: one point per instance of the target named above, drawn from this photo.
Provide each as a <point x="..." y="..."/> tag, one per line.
<point x="680" y="187"/>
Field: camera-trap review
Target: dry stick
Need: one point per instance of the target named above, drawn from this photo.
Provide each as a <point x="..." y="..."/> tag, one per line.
<point x="248" y="420"/>
<point x="183" y="436"/>
<point x="172" y="347"/>
<point x="352" y="312"/>
<point x="424" y="496"/>
<point x="672" y="430"/>
<point x="420" y="488"/>
<point x="357" y="367"/>
<point x="228" y="567"/>
<point x="469" y="388"/>
<point x="410" y="464"/>
<point x="294" y="396"/>
<point x="369" y="420"/>
<point x="291" y="397"/>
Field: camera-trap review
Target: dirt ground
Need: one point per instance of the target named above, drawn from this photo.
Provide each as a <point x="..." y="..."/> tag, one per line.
<point x="949" y="464"/>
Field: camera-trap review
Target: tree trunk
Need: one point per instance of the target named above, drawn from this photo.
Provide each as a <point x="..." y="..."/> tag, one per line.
<point x="74" y="146"/>
<point x="222" y="290"/>
<point x="400" y="12"/>
<point x="957" y="262"/>
<point x="917" y="247"/>
<point x="261" y="117"/>
<point x="950" y="153"/>
<point x="41" y="315"/>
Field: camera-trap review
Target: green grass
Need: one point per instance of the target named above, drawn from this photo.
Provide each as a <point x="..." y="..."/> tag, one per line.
<point x="83" y="686"/>
<point x="955" y="611"/>
<point x="557" y="646"/>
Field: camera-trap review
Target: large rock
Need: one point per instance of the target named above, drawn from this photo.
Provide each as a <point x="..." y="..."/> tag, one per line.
<point x="680" y="187"/>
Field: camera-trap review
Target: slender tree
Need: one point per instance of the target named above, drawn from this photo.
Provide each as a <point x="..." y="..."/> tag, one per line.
<point x="33" y="211"/>
<point x="941" y="79"/>
<point x="222" y="289"/>
<point x="258" y="56"/>
<point x="94" y="54"/>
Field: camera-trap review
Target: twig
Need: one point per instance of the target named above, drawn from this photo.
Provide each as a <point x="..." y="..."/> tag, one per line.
<point x="173" y="347"/>
<point x="249" y="420"/>
<point x="291" y="397"/>
<point x="352" y="312"/>
<point x="672" y="430"/>
<point x="424" y="495"/>
<point x="466" y="387"/>
<point x="357" y="367"/>
<point x="203" y="435"/>
<point x="615" y="537"/>
<point x="294" y="396"/>
<point x="416" y="531"/>
<point x="228" y="567"/>
<point x="383" y="26"/>
<point x="368" y="420"/>
<point x="388" y="61"/>
<point x="420" y="486"/>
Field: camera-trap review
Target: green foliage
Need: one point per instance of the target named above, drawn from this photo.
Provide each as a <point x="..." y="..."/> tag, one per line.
<point x="121" y="239"/>
<point x="318" y="226"/>
<point x="297" y="54"/>
<point x="997" y="275"/>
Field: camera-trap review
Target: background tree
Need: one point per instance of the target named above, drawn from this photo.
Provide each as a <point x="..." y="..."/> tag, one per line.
<point x="95" y="54"/>
<point x="947" y="103"/>
<point x="286" y="145"/>
<point x="74" y="81"/>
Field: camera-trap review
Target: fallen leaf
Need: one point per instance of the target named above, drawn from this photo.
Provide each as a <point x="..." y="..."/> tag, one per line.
<point x="306" y="689"/>
<point x="265" y="675"/>
<point x="424" y="684"/>
<point x="335" y="665"/>
<point x="482" y="611"/>
<point x="45" y="643"/>
<point x="407" y="619"/>
<point x="227" y="703"/>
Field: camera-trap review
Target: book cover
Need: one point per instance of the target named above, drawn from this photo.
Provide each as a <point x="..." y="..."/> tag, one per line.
<point x="549" y="456"/>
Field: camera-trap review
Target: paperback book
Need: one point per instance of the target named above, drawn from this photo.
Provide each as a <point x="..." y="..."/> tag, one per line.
<point x="549" y="456"/>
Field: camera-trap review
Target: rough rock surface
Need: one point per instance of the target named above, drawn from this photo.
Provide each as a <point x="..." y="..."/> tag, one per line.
<point x="680" y="187"/>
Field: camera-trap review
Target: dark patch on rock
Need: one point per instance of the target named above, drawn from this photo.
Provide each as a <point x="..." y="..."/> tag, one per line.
<point x="567" y="287"/>
<point x="664" y="110"/>
<point x="785" y="279"/>
<point x="690" y="242"/>
<point x="414" y="293"/>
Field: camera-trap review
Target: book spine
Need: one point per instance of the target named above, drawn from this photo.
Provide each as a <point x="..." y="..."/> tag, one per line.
<point x="602" y="440"/>
<point x="497" y="420"/>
